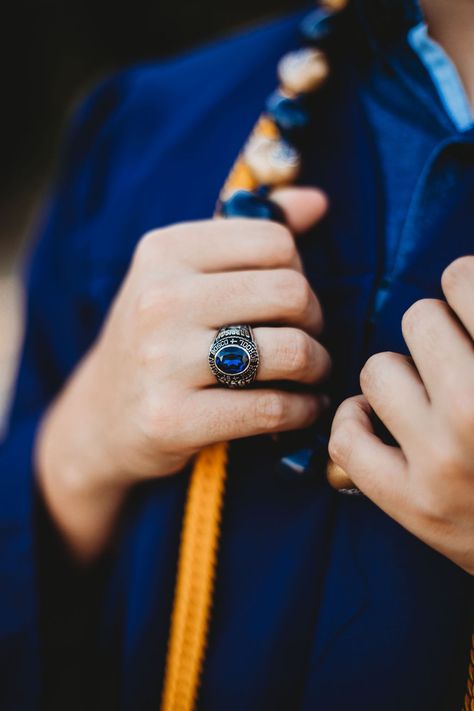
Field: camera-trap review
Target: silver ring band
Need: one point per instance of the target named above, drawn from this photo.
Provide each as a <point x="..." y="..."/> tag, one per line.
<point x="234" y="357"/>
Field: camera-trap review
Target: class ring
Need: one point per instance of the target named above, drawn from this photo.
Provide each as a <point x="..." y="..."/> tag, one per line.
<point x="234" y="357"/>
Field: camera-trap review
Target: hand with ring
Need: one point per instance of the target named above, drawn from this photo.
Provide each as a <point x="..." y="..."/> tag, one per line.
<point x="144" y="399"/>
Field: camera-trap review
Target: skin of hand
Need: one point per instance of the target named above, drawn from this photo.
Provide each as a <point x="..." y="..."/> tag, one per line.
<point x="143" y="402"/>
<point x="427" y="403"/>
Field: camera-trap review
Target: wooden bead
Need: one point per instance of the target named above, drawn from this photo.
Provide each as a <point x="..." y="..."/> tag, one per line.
<point x="303" y="71"/>
<point x="241" y="177"/>
<point x="334" y="5"/>
<point x="272" y="162"/>
<point x="337" y="477"/>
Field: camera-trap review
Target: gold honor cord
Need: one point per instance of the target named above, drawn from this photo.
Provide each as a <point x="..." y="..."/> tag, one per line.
<point x="195" y="581"/>
<point x="469" y="698"/>
<point x="201" y="525"/>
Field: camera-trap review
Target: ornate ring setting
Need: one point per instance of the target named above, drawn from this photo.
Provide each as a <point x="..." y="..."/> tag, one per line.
<point x="233" y="356"/>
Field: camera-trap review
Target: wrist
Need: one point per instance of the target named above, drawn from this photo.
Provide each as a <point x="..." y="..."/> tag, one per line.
<point x="72" y="450"/>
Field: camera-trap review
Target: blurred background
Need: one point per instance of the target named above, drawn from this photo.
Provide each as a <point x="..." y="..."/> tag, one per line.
<point x="51" y="52"/>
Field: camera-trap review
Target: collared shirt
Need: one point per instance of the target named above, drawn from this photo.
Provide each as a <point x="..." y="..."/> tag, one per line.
<point x="442" y="106"/>
<point x="439" y="109"/>
<point x="444" y="75"/>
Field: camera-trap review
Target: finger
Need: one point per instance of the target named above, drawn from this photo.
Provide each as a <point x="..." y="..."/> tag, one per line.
<point x="395" y="392"/>
<point x="256" y="297"/>
<point x="239" y="243"/>
<point x="458" y="287"/>
<point x="291" y="354"/>
<point x="376" y="469"/>
<point x="441" y="349"/>
<point x="286" y="354"/>
<point x="303" y="207"/>
<point x="218" y="415"/>
<point x="226" y="245"/>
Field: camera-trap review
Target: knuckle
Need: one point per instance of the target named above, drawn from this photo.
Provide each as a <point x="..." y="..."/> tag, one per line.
<point x="149" y="299"/>
<point x="164" y="427"/>
<point x="152" y="354"/>
<point x="145" y="355"/>
<point x="412" y="316"/>
<point x="435" y="504"/>
<point x="158" y="302"/>
<point x="457" y="271"/>
<point x="295" y="292"/>
<point x="145" y="243"/>
<point x="238" y="282"/>
<point x="419" y="313"/>
<point x="444" y="509"/>
<point x="340" y="443"/>
<point x="461" y="409"/>
<point x="370" y="373"/>
<point x="447" y="464"/>
<point x="284" y="245"/>
<point x="296" y="353"/>
<point x="156" y="245"/>
<point x="427" y="505"/>
<point x="271" y="411"/>
<point x="146" y="247"/>
<point x="158" y="422"/>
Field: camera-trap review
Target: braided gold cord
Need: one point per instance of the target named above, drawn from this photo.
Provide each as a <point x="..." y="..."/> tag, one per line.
<point x="469" y="698"/>
<point x="195" y="580"/>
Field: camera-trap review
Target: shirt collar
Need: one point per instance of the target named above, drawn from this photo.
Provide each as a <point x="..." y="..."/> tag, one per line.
<point x="444" y="76"/>
<point x="388" y="23"/>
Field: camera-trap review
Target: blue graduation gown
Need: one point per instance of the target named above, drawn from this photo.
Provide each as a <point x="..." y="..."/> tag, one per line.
<point x="322" y="601"/>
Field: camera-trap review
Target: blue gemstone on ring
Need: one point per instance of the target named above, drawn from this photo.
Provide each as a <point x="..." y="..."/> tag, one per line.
<point x="232" y="360"/>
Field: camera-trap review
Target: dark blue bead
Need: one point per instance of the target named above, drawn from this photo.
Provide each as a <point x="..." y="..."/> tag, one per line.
<point x="246" y="204"/>
<point x="232" y="360"/>
<point x="290" y="115"/>
<point x="317" y="26"/>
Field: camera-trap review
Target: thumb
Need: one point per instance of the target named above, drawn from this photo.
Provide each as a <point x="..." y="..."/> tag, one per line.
<point x="303" y="207"/>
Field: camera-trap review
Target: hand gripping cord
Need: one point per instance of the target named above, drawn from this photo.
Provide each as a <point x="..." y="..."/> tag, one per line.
<point x="200" y="539"/>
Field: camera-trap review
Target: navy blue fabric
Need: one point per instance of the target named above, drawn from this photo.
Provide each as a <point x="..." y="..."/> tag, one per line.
<point x="322" y="602"/>
<point x="420" y="122"/>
